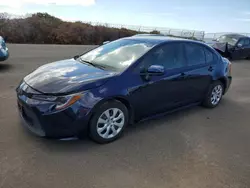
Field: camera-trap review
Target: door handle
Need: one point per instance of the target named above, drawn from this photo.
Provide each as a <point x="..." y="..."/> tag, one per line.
<point x="210" y="69"/>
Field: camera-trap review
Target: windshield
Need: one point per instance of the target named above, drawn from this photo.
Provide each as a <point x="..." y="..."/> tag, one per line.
<point x="117" y="55"/>
<point x="230" y="40"/>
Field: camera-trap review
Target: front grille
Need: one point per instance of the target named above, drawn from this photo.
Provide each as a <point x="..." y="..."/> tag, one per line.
<point x="27" y="112"/>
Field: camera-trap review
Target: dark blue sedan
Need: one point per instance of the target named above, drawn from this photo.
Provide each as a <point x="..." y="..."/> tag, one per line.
<point x="119" y="83"/>
<point x="4" y="51"/>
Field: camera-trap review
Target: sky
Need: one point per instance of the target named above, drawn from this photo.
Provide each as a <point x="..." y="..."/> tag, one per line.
<point x="203" y="15"/>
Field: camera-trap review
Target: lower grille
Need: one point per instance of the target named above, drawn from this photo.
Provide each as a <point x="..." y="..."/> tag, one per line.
<point x="30" y="120"/>
<point x="26" y="117"/>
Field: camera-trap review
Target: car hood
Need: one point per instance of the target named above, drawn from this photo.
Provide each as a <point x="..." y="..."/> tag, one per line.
<point x="67" y="76"/>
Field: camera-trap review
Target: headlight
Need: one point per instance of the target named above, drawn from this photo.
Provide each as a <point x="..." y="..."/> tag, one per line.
<point x="60" y="102"/>
<point x="67" y="101"/>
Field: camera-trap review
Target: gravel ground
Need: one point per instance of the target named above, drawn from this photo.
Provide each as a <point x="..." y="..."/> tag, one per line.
<point x="194" y="148"/>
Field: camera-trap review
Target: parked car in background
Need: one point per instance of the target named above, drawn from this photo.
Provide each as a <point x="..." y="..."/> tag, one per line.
<point x="121" y="82"/>
<point x="4" y="51"/>
<point x="233" y="46"/>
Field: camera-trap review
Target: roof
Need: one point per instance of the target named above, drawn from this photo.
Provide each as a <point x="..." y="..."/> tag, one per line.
<point x="235" y="35"/>
<point x="157" y="39"/>
<point x="149" y="34"/>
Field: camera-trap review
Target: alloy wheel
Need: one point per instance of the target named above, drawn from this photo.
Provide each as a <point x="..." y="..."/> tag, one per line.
<point x="110" y="123"/>
<point x="216" y="95"/>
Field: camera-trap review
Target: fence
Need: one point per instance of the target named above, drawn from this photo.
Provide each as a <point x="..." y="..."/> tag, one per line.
<point x="200" y="35"/>
<point x="163" y="30"/>
<point x="217" y="35"/>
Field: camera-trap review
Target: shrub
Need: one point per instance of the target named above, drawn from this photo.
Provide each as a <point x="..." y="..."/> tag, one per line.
<point x="42" y="28"/>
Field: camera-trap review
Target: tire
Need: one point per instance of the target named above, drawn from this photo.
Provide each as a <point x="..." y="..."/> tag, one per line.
<point x="104" y="129"/>
<point x="214" y="95"/>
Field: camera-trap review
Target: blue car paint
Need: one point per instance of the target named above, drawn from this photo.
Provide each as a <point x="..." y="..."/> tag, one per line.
<point x="143" y="98"/>
<point x="4" y="51"/>
<point x="67" y="76"/>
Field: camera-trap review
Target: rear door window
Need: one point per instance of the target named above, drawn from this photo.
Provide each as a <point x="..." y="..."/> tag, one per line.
<point x="195" y="54"/>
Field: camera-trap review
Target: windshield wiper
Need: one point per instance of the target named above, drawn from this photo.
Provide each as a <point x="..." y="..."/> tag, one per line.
<point x="93" y="64"/>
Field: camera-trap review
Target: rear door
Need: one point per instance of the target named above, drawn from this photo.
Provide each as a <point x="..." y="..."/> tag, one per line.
<point x="201" y="64"/>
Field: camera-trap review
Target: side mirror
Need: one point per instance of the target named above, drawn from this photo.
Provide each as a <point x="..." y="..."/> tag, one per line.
<point x="156" y="70"/>
<point x="106" y="42"/>
<point x="239" y="45"/>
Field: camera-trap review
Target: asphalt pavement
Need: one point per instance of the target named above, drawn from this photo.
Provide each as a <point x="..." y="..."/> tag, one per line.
<point x="193" y="148"/>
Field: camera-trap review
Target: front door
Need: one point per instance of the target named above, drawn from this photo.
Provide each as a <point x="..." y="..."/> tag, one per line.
<point x="246" y="48"/>
<point x="154" y="94"/>
<point x="239" y="51"/>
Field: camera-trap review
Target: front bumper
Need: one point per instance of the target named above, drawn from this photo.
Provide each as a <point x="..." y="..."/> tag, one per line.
<point x="67" y="123"/>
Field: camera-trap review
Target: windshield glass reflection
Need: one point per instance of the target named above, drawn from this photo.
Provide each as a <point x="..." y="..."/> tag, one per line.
<point x="119" y="54"/>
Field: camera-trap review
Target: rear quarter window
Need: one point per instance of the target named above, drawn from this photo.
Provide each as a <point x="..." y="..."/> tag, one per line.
<point x="195" y="54"/>
<point x="210" y="56"/>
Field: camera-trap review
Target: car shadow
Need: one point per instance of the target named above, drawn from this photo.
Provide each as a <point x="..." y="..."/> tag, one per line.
<point x="57" y="146"/>
<point x="61" y="146"/>
<point x="73" y="145"/>
<point x="173" y="122"/>
<point x="4" y="67"/>
<point x="85" y="144"/>
<point x="162" y="120"/>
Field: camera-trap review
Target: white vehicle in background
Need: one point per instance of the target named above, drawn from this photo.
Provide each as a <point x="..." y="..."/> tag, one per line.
<point x="4" y="51"/>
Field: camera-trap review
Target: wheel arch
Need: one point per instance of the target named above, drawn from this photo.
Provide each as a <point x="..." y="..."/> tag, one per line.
<point x="223" y="80"/>
<point x="122" y="100"/>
